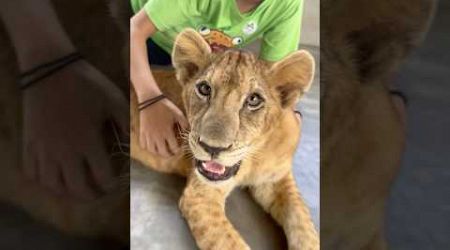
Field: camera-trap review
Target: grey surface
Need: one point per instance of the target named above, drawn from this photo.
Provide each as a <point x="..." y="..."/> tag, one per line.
<point x="310" y="34"/>
<point x="419" y="206"/>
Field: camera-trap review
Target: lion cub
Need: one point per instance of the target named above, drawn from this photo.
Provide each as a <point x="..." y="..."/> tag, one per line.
<point x="242" y="133"/>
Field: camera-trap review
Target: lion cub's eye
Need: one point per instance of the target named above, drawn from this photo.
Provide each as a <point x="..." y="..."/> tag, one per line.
<point x="254" y="101"/>
<point x="203" y="89"/>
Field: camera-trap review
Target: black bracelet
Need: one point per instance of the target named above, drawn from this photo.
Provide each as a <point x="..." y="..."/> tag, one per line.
<point x="150" y="101"/>
<point x="44" y="70"/>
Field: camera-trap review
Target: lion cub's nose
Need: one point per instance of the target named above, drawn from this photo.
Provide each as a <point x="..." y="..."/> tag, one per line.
<point x="213" y="151"/>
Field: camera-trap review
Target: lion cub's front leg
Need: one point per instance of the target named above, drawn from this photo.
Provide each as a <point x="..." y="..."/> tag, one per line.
<point x="283" y="201"/>
<point x="203" y="207"/>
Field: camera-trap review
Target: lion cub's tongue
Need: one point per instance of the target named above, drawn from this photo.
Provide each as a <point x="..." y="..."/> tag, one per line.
<point x="214" y="167"/>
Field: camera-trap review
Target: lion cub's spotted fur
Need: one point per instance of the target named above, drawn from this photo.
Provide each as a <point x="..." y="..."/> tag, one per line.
<point x="268" y="136"/>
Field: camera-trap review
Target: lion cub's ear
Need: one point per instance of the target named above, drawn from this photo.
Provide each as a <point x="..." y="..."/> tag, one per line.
<point x="191" y="53"/>
<point x="292" y="76"/>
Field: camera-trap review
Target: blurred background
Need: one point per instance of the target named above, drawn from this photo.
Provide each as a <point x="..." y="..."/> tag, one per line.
<point x="419" y="205"/>
<point x="92" y="29"/>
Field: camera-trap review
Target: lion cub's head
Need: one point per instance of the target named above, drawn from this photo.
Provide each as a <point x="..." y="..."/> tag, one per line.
<point x="232" y="100"/>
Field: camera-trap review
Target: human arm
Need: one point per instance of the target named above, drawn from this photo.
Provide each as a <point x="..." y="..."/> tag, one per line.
<point x="156" y="135"/>
<point x="63" y="113"/>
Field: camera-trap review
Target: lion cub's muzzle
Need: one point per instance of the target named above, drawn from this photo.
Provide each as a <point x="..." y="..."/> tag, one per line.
<point x="215" y="163"/>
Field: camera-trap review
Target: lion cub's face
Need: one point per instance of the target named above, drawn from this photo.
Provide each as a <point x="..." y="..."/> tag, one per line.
<point x="232" y="100"/>
<point x="228" y="106"/>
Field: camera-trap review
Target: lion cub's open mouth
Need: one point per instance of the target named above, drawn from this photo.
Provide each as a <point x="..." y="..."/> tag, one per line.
<point x="214" y="171"/>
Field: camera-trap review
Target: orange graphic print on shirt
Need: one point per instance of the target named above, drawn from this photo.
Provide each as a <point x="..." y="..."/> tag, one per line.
<point x="218" y="40"/>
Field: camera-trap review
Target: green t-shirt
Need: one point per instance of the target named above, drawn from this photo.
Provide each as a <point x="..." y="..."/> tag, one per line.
<point x="221" y="23"/>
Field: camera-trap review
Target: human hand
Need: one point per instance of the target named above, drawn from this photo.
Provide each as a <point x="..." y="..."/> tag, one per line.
<point x="64" y="116"/>
<point x="158" y="124"/>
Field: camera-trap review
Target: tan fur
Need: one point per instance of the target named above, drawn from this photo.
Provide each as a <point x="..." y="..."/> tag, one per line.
<point x="362" y="135"/>
<point x="265" y="140"/>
